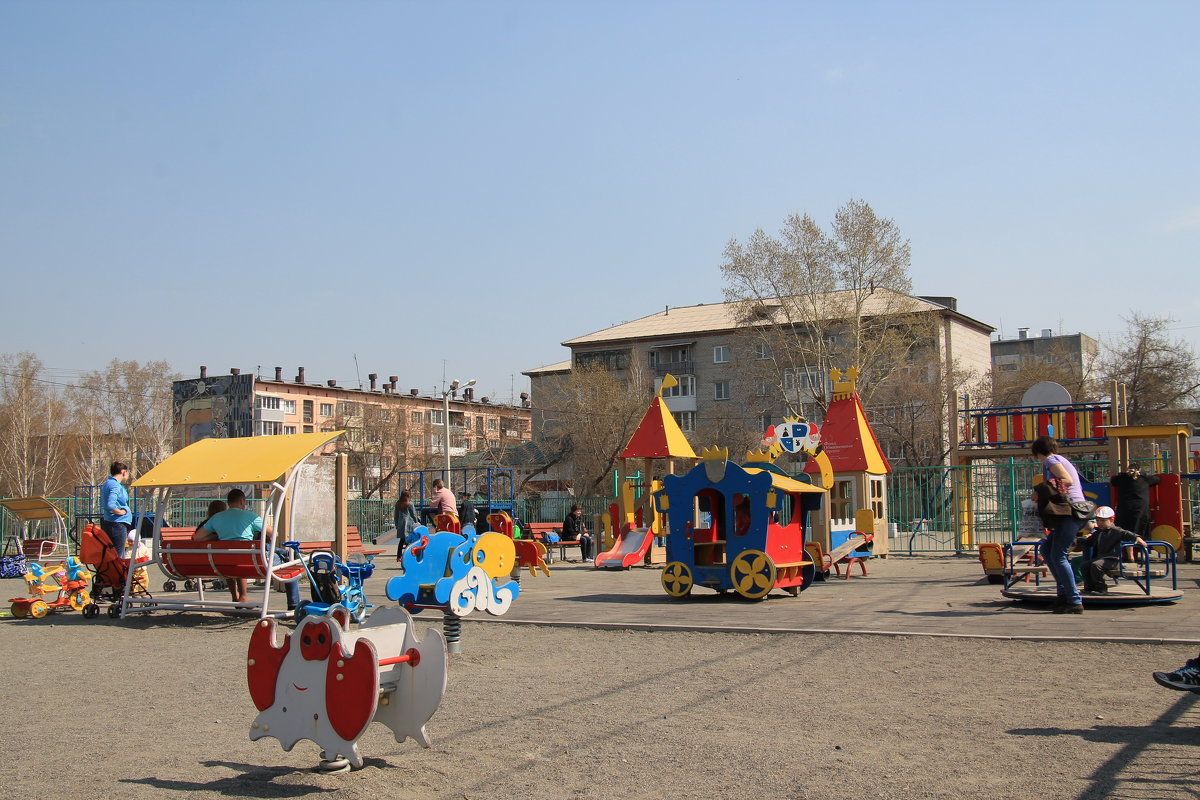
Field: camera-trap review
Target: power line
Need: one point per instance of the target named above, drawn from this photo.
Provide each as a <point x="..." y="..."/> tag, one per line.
<point x="99" y="389"/>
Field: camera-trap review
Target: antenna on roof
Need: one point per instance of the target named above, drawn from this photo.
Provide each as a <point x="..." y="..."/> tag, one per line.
<point x="356" y="373"/>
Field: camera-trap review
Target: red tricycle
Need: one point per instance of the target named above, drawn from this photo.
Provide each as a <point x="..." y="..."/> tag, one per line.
<point x="69" y="579"/>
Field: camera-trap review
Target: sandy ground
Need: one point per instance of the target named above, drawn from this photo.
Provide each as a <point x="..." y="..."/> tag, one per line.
<point x="157" y="707"/>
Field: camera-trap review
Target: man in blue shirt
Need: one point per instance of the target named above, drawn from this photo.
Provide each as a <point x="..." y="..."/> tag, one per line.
<point x="116" y="518"/>
<point x="238" y="523"/>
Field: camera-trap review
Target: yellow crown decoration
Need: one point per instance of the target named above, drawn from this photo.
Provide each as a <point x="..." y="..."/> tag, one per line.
<point x="845" y="386"/>
<point x="715" y="454"/>
<point x="765" y="455"/>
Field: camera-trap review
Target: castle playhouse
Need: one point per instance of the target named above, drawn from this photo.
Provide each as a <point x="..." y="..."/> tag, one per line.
<point x="858" y="497"/>
<point x="630" y="526"/>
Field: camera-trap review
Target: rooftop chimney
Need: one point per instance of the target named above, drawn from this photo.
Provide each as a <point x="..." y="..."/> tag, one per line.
<point x="394" y="379"/>
<point x="414" y="392"/>
<point x="234" y="371"/>
<point x="468" y="394"/>
<point x="1022" y="333"/>
<point x="300" y="375"/>
<point x="203" y="373"/>
<point x="331" y="382"/>
<point x="279" y="374"/>
<point x="371" y="377"/>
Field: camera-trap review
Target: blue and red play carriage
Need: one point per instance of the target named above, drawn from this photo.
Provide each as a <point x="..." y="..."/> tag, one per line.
<point x="737" y="528"/>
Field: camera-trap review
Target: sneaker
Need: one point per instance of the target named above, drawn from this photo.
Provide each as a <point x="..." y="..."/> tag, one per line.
<point x="1184" y="679"/>
<point x="1066" y="609"/>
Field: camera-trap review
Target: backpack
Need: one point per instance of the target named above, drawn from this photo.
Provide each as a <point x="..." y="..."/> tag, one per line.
<point x="550" y="537"/>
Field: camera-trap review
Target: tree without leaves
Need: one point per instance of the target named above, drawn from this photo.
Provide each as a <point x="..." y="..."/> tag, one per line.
<point x="820" y="300"/>
<point x="595" y="414"/>
<point x="1161" y="374"/>
<point x="125" y="413"/>
<point x="31" y="416"/>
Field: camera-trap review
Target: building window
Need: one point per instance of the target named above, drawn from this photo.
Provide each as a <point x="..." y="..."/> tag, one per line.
<point x="308" y="415"/>
<point x="652" y="356"/>
<point x="347" y="408"/>
<point x="289" y="406"/>
<point x="269" y="428"/>
<point x="435" y="441"/>
<point x="762" y="351"/>
<point x="268" y="402"/>
<point x="417" y="417"/>
<point x="764" y="423"/>
<point x="416" y="442"/>
<point x="354" y="483"/>
<point x="433" y="416"/>
<point x="493" y="424"/>
<point x="685" y="388"/>
<point x="326" y="409"/>
<point x="686" y="420"/>
<point x="288" y="430"/>
<point x="308" y="428"/>
<point x="479" y="424"/>
<point x="721" y="390"/>
<point x="721" y="354"/>
<point x="760" y="389"/>
<point x="609" y="359"/>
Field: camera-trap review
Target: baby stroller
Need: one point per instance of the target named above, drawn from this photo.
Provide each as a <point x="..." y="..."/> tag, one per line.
<point x="108" y="585"/>
<point x="334" y="584"/>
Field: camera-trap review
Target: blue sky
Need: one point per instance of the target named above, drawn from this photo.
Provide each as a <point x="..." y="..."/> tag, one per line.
<point x="456" y="188"/>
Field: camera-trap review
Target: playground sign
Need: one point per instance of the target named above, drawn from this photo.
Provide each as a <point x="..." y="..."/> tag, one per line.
<point x="795" y="436"/>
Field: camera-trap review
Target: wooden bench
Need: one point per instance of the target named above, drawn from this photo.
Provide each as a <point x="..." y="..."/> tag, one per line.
<point x="538" y="530"/>
<point x="354" y="545"/>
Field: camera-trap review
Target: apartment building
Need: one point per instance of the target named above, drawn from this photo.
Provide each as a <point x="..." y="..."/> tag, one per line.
<point x="387" y="430"/>
<point x="1076" y="351"/>
<point x="725" y="375"/>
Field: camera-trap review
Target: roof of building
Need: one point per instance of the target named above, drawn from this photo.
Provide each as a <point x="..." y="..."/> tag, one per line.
<point x="549" y="369"/>
<point x="717" y="317"/>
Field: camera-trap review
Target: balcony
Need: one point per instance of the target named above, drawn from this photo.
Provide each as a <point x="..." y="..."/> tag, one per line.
<point x="268" y="415"/>
<point x="674" y="367"/>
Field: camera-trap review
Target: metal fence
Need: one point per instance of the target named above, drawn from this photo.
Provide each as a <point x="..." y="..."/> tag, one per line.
<point x="928" y="507"/>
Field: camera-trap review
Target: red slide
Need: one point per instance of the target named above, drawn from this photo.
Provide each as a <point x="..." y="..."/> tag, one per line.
<point x="629" y="549"/>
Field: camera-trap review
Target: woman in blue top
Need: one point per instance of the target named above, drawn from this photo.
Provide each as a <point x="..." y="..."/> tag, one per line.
<point x="115" y="519"/>
<point x="1063" y="529"/>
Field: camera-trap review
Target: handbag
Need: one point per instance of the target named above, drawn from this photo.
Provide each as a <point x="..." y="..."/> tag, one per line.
<point x="1084" y="509"/>
<point x="1058" y="508"/>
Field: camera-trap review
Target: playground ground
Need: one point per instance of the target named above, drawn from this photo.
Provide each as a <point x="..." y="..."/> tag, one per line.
<point x="614" y="692"/>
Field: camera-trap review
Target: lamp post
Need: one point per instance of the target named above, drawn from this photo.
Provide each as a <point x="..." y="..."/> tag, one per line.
<point x="446" y="424"/>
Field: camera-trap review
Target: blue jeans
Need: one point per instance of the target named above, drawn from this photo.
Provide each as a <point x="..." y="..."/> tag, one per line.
<point x="1055" y="552"/>
<point x="292" y="588"/>
<point x="118" y="534"/>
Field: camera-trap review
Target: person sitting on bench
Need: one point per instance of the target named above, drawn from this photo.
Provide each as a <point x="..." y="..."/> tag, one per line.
<point x="1107" y="541"/>
<point x="574" y="529"/>
<point x="237" y="523"/>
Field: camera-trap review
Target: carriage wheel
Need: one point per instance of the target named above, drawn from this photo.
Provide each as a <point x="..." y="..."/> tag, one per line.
<point x="189" y="585"/>
<point x="38" y="609"/>
<point x="753" y="574"/>
<point x="677" y="579"/>
<point x="91" y="611"/>
<point x="114" y="610"/>
<point x="169" y="586"/>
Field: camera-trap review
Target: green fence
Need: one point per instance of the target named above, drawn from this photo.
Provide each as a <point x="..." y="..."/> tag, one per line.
<point x="921" y="504"/>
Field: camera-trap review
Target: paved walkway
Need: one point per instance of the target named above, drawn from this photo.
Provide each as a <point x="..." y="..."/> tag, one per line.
<point x="936" y="596"/>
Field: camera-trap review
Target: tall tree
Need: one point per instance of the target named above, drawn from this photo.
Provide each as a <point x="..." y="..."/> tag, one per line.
<point x="128" y="412"/>
<point x="1161" y="373"/>
<point x="31" y="419"/>
<point x="594" y="414"/>
<point x="812" y="300"/>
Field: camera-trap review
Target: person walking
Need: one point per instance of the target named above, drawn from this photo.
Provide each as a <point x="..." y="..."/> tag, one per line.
<point x="1063" y="528"/>
<point x="406" y="522"/>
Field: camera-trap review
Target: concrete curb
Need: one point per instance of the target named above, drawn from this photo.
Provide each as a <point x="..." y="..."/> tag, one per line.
<point x="652" y="627"/>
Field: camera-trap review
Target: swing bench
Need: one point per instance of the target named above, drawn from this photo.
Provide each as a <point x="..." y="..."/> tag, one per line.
<point x="273" y="461"/>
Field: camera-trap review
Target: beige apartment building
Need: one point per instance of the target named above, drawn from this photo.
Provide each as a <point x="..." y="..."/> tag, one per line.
<point x="723" y="373"/>
<point x="387" y="430"/>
